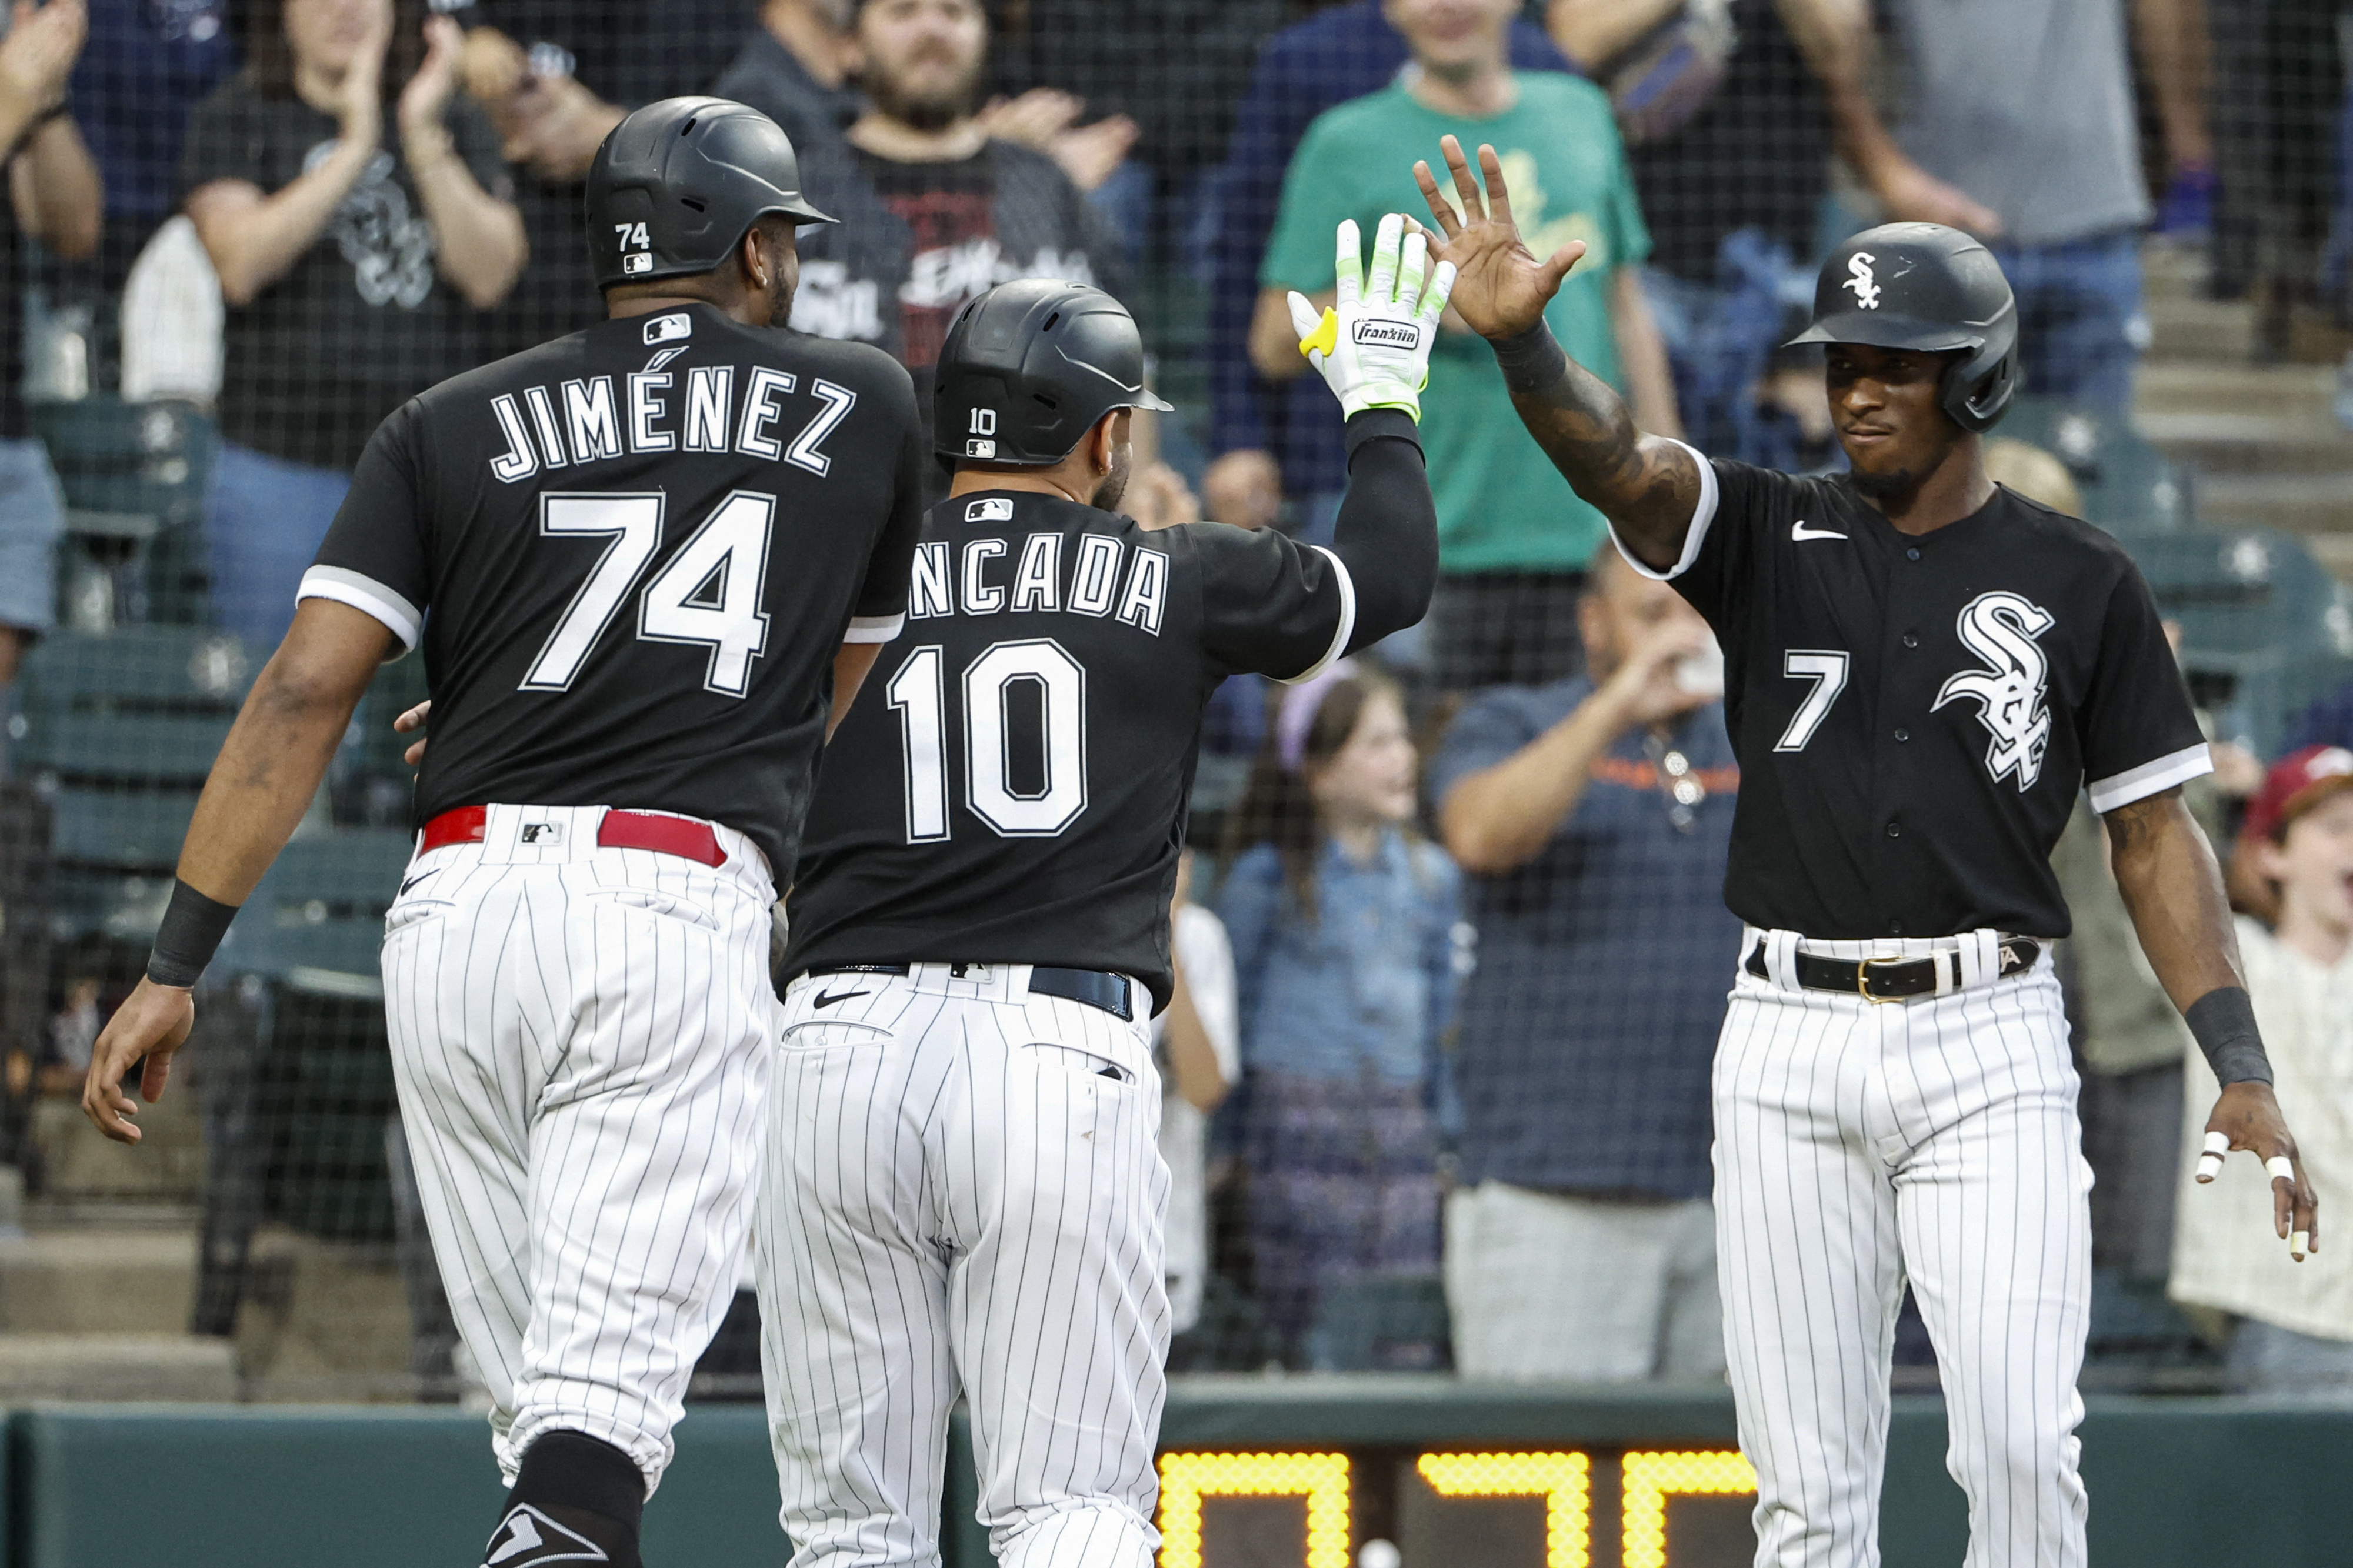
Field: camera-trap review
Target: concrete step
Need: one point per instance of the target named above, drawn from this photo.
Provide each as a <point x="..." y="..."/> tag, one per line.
<point x="2209" y="330"/>
<point x="2315" y="503"/>
<point x="2230" y="440"/>
<point x="97" y="1282"/>
<point x="175" y="1368"/>
<point x="2192" y="386"/>
<point x="2336" y="553"/>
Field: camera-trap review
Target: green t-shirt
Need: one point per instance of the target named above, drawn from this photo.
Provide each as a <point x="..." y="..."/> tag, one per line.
<point x="1502" y="506"/>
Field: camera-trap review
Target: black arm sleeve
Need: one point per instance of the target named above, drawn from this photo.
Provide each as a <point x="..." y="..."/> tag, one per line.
<point x="1387" y="534"/>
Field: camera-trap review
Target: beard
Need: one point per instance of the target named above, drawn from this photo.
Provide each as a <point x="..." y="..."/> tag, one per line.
<point x="1885" y="487"/>
<point x="927" y="111"/>
<point x="1113" y="488"/>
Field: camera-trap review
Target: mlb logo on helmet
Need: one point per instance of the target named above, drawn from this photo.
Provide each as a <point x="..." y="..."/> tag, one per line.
<point x="990" y="510"/>
<point x="980" y="448"/>
<point x="668" y="329"/>
<point x="640" y="262"/>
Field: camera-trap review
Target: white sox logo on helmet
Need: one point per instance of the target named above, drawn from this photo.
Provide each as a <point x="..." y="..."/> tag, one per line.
<point x="2001" y="628"/>
<point x="1859" y="279"/>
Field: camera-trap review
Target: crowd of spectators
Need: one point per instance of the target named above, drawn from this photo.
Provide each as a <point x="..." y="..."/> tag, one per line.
<point x="1452" y="961"/>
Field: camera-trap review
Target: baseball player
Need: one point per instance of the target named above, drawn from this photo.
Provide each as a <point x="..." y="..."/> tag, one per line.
<point x="644" y="561"/>
<point x="1922" y="669"/>
<point x="963" y="1189"/>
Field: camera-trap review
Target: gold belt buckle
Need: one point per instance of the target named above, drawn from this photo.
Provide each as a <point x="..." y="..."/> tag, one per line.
<point x="1862" y="980"/>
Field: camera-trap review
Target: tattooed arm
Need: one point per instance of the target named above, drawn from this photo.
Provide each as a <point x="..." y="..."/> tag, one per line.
<point x="1647" y="486"/>
<point x="2173" y="891"/>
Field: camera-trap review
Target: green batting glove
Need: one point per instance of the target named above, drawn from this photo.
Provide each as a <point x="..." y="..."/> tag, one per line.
<point x="1373" y="346"/>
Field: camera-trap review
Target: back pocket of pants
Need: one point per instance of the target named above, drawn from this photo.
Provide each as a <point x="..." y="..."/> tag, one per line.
<point x="667" y="905"/>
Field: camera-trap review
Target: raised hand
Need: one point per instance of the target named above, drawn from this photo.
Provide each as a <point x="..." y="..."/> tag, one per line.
<point x="426" y="95"/>
<point x="1502" y="287"/>
<point x="1372" y="345"/>
<point x="360" y="96"/>
<point x="40" y="52"/>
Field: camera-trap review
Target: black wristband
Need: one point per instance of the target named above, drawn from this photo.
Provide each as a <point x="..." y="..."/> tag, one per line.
<point x="2223" y="1023"/>
<point x="1532" y="362"/>
<point x="191" y="933"/>
<point x="1379" y="425"/>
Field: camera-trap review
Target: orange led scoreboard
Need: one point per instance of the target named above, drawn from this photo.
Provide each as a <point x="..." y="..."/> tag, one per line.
<point x="1310" y="1473"/>
<point x="1559" y="1507"/>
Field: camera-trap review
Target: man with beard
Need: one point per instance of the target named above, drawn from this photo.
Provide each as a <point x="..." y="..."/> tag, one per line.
<point x="648" y="565"/>
<point x="963" y="1191"/>
<point x="934" y="210"/>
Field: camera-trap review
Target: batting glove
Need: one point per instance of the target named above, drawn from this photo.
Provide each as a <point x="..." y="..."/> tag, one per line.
<point x="1373" y="346"/>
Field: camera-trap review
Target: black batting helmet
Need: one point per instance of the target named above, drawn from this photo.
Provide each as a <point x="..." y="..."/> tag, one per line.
<point x="678" y="183"/>
<point x="1923" y="286"/>
<point x="1028" y="367"/>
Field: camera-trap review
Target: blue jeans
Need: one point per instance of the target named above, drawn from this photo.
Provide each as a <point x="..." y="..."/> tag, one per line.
<point x="2080" y="326"/>
<point x="2267" y="1359"/>
<point x="32" y="517"/>
<point x="264" y="518"/>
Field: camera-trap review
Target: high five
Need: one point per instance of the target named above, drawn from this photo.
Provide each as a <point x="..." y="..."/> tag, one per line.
<point x="1922" y="670"/>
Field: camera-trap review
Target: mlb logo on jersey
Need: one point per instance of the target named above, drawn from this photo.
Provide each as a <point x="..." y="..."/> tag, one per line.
<point x="542" y="833"/>
<point x="994" y="510"/>
<point x="668" y="329"/>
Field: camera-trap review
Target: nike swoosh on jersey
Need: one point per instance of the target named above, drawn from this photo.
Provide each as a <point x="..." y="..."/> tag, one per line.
<point x="410" y="883"/>
<point x="1799" y="531"/>
<point x="825" y="1000"/>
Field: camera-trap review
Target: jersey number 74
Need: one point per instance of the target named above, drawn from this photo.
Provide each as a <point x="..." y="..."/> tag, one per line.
<point x="708" y="592"/>
<point x="919" y="693"/>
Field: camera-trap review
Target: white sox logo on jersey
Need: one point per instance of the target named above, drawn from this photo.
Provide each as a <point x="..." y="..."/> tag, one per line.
<point x="1859" y="279"/>
<point x="2001" y="628"/>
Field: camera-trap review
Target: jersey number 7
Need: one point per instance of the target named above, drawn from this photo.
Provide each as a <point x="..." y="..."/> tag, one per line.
<point x="708" y="593"/>
<point x="919" y="694"/>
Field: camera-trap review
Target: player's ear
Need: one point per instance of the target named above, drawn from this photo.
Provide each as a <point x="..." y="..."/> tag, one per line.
<point x="752" y="255"/>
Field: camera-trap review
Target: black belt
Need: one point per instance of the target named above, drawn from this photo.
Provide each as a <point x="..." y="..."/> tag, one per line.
<point x="1094" y="987"/>
<point x="1893" y="979"/>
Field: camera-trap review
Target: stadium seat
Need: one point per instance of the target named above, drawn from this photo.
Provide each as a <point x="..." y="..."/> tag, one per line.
<point x="296" y="1072"/>
<point x="125" y="461"/>
<point x="118" y="733"/>
<point x="2129" y="487"/>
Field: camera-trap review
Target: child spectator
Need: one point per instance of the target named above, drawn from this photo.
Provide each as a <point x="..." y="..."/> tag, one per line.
<point x="1342" y="922"/>
<point x="1193" y="1041"/>
<point x="2296" y="1331"/>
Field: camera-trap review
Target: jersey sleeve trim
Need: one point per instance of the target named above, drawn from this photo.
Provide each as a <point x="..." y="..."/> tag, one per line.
<point x="364" y="594"/>
<point x="2141" y="783"/>
<point x="873" y="628"/>
<point x="1694" y="537"/>
<point x="1347" y="626"/>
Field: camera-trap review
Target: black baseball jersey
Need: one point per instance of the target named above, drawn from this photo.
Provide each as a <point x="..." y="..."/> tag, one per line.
<point x="1913" y="715"/>
<point x="1011" y="785"/>
<point x="630" y="555"/>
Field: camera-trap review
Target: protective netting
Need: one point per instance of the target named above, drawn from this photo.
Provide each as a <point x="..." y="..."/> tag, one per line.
<point x="1419" y="1047"/>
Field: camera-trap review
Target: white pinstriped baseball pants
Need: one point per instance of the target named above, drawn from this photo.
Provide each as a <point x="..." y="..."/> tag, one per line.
<point x="581" y="1040"/>
<point x="955" y="1197"/>
<point x="1858" y="1145"/>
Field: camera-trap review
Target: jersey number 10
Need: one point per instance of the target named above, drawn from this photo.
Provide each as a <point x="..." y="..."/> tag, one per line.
<point x="919" y="694"/>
